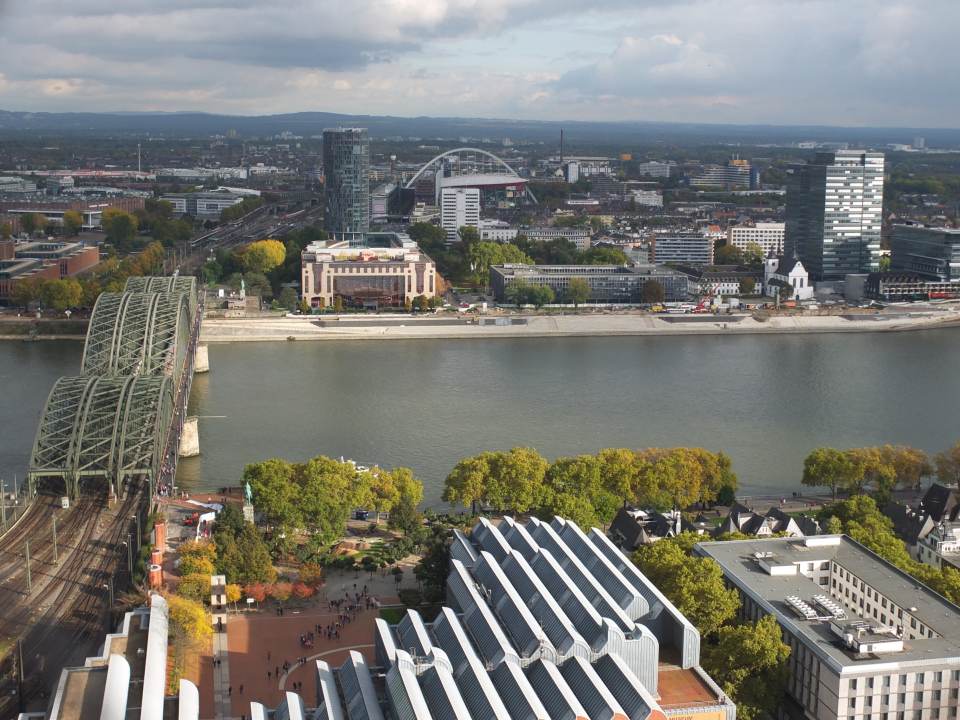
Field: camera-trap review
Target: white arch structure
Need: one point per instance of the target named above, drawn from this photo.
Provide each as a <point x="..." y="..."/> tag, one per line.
<point x="457" y="151"/>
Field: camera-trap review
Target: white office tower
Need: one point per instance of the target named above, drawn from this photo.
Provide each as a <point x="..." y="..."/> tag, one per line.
<point x="459" y="207"/>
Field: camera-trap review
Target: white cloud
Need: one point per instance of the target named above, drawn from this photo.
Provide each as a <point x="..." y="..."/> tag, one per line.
<point x="875" y="62"/>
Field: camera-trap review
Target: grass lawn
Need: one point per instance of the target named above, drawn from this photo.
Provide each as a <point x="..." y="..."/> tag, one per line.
<point x="392" y="615"/>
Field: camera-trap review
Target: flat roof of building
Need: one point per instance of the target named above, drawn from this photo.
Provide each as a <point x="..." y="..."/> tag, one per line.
<point x="738" y="560"/>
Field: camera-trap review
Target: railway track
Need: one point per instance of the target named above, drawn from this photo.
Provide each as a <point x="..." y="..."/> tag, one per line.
<point x="63" y="619"/>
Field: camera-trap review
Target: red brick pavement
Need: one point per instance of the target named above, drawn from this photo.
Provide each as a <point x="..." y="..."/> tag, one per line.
<point x="251" y="637"/>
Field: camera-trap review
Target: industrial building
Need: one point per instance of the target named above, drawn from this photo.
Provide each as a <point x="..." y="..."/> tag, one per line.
<point x="834" y="213"/>
<point x="616" y="284"/>
<point x="867" y="640"/>
<point x="386" y="270"/>
<point x="128" y="678"/>
<point x="543" y="622"/>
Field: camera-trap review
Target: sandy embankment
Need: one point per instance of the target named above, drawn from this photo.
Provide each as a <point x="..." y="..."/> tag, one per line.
<point x="393" y="328"/>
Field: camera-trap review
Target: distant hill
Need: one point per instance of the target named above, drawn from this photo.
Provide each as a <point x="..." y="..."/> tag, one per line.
<point x="191" y="124"/>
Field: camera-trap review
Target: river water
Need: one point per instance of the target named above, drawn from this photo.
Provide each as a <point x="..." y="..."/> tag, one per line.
<point x="766" y="400"/>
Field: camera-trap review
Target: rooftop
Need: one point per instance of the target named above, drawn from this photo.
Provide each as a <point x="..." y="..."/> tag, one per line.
<point x="739" y="560"/>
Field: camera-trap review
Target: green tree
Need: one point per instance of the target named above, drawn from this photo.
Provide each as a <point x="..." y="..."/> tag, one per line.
<point x="749" y="662"/>
<point x="61" y="294"/>
<point x="517" y="292"/>
<point x="515" y="478"/>
<point x="694" y="584"/>
<point x="26" y="291"/>
<point x="727" y="254"/>
<point x="434" y="565"/>
<point x="29" y="223"/>
<point x="263" y="256"/>
<point x="288" y="298"/>
<point x="540" y="295"/>
<point x="338" y="304"/>
<point x="653" y="292"/>
<point x="6" y="231"/>
<point x="468" y="235"/>
<point x="120" y="227"/>
<point x="948" y="466"/>
<point x="828" y="467"/>
<point x="467" y="483"/>
<point x="72" y="222"/>
<point x="257" y="284"/>
<point x="578" y="291"/>
<point x="304" y="307"/>
<point x="603" y="256"/>
<point x="194" y="587"/>
<point x="275" y="492"/>
<point x="747" y="286"/>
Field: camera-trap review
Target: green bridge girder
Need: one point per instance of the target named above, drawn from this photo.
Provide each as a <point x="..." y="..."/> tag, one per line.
<point x="114" y="420"/>
<point x="111" y="427"/>
<point x="133" y="333"/>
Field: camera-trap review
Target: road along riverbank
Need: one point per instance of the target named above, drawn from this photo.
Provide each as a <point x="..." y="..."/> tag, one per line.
<point x="351" y="327"/>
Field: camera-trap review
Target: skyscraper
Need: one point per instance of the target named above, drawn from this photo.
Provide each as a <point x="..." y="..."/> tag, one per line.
<point x="346" y="167"/>
<point x="459" y="207"/>
<point x="834" y="213"/>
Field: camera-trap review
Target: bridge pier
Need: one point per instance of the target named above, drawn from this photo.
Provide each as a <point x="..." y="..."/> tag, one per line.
<point x="190" y="438"/>
<point x="201" y="360"/>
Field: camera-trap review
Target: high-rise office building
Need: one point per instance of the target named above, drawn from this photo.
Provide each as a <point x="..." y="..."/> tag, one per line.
<point x="834" y="213"/>
<point x="459" y="207"/>
<point x="933" y="252"/>
<point x="346" y="167"/>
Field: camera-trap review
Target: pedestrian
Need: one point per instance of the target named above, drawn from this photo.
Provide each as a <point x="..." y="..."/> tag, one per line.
<point x="268" y="656"/>
<point x="269" y="674"/>
<point x="241" y="688"/>
<point x="230" y="690"/>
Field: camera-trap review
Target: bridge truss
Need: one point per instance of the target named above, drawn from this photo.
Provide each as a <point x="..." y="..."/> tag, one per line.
<point x="109" y="426"/>
<point x="135" y="333"/>
<point x="122" y="417"/>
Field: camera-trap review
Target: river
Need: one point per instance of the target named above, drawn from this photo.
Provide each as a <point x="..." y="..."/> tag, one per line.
<point x="765" y="400"/>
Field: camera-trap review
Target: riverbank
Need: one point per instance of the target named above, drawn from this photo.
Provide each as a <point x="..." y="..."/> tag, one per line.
<point x="217" y="330"/>
<point x="29" y="328"/>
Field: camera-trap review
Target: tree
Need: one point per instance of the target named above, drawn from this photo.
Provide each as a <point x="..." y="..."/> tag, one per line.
<point x="304" y="306"/>
<point x="468" y="235"/>
<point x="828" y="467"/>
<point x="515" y="478"/>
<point x="275" y="493"/>
<point x="196" y="565"/>
<point x="280" y="591"/>
<point x="747" y="286"/>
<point x="338" y="304"/>
<point x="188" y="619"/>
<point x="749" y="662"/>
<point x="26" y="291"/>
<point x="288" y="298"/>
<point x="603" y="256"/>
<point x="302" y="591"/>
<point x="6" y="231"/>
<point x="727" y="255"/>
<point x="578" y="291"/>
<point x="120" y="227"/>
<point x="234" y="592"/>
<point x="311" y="574"/>
<point x="256" y="591"/>
<point x="516" y="292"/>
<point x="194" y="587"/>
<point x="948" y="466"/>
<point x="540" y="295"/>
<point x="653" y="292"/>
<point x="434" y="565"/>
<point x="30" y="222"/>
<point x="468" y="481"/>
<point x="61" y="294"/>
<point x="257" y="284"/>
<point x="263" y="256"/>
<point x="72" y="222"/>
<point x="694" y="584"/>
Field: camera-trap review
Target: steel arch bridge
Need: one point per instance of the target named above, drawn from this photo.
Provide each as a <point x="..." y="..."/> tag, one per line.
<point x="122" y="417"/>
<point x="495" y="161"/>
<point x="134" y="333"/>
<point x="111" y="427"/>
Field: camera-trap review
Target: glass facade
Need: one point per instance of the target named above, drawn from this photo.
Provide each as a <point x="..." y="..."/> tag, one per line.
<point x="346" y="168"/>
<point x="834" y="213"/>
<point x="931" y="252"/>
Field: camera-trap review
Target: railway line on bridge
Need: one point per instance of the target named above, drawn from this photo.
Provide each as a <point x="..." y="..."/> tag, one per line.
<point x="107" y="441"/>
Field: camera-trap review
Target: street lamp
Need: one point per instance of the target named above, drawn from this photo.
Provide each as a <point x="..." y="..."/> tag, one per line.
<point x="129" y="543"/>
<point x="139" y="535"/>
<point x="109" y="586"/>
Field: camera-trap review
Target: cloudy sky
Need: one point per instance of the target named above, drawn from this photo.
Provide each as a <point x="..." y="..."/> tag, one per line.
<point x="841" y="62"/>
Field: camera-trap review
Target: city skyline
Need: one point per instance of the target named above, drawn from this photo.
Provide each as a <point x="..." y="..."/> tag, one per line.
<point x="859" y="63"/>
